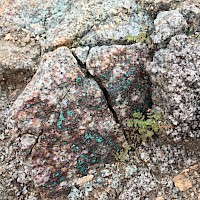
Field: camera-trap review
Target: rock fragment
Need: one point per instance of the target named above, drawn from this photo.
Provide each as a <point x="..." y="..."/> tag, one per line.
<point x="120" y="70"/>
<point x="175" y="74"/>
<point x="182" y="182"/>
<point x="168" y="24"/>
<point x="68" y="115"/>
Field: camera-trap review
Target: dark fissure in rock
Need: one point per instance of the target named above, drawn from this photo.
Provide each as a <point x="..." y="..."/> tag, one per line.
<point x="103" y="89"/>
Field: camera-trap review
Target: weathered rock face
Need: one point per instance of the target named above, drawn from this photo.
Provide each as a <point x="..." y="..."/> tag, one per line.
<point x="19" y="50"/>
<point x="168" y="24"/>
<point x="175" y="74"/>
<point x="191" y="12"/>
<point x="64" y="123"/>
<point x="120" y="70"/>
<point x="77" y="22"/>
<point x="19" y="58"/>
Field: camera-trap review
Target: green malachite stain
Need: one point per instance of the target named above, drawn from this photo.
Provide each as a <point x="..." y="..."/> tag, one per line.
<point x="56" y="174"/>
<point x="70" y="113"/>
<point x="93" y="136"/>
<point x="28" y="105"/>
<point x="120" y="101"/>
<point x="78" y="79"/>
<point x="62" y="179"/>
<point x="128" y="82"/>
<point x="104" y="76"/>
<point x="99" y="139"/>
<point x="74" y="146"/>
<point x="127" y="74"/>
<point x="54" y="184"/>
<point x="85" y="157"/>
<point x="88" y="136"/>
<point x="64" y="143"/>
<point x="62" y="118"/>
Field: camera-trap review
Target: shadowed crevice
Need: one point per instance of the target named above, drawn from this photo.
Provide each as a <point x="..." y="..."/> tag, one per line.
<point x="103" y="89"/>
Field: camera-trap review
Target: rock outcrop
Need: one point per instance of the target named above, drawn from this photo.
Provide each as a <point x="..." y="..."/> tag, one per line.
<point x="175" y="74"/>
<point x="72" y="72"/>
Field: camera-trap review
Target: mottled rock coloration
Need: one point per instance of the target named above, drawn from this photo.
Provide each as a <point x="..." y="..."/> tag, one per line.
<point x="120" y="70"/>
<point x="191" y="12"/>
<point x="168" y="24"/>
<point x="175" y="74"/>
<point x="62" y="123"/>
<point x="61" y="134"/>
<point x="117" y="28"/>
<point x="58" y="23"/>
<point x="19" y="50"/>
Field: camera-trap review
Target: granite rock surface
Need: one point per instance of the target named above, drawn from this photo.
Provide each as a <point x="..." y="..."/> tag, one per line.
<point x="62" y="122"/>
<point x="175" y="74"/>
<point x="120" y="70"/>
<point x="61" y="129"/>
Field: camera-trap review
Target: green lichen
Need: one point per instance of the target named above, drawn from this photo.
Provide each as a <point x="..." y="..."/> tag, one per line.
<point x="141" y="37"/>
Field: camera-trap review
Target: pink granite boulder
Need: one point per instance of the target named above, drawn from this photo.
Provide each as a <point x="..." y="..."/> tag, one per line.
<point x="61" y="122"/>
<point x="120" y="70"/>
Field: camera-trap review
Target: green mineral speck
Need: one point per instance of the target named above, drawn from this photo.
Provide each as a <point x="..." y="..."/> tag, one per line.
<point x="78" y="79"/>
<point x="99" y="139"/>
<point x="70" y="113"/>
<point x="59" y="124"/>
<point x="104" y="76"/>
<point x="27" y="150"/>
<point x="62" y="118"/>
<point x="128" y="82"/>
<point x="88" y="136"/>
<point x="120" y="101"/>
<point x="74" y="146"/>
<point x="85" y="157"/>
<point x="64" y="143"/>
<point x="28" y="105"/>
<point x="127" y="74"/>
<point x="62" y="179"/>
<point x="54" y="184"/>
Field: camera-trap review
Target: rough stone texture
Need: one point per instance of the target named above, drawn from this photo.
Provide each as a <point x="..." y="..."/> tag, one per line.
<point x="99" y="21"/>
<point x="81" y="53"/>
<point x="168" y="24"/>
<point x="191" y="12"/>
<point x="33" y="15"/>
<point x="115" y="29"/>
<point x="175" y="74"/>
<point x="62" y="122"/>
<point x="18" y="50"/>
<point x="120" y="70"/>
<point x="19" y="58"/>
<point x="148" y="169"/>
<point x="149" y="172"/>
